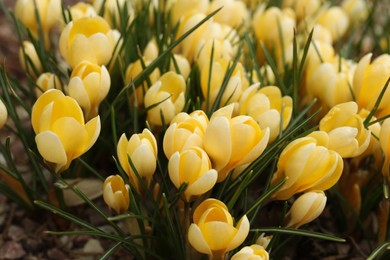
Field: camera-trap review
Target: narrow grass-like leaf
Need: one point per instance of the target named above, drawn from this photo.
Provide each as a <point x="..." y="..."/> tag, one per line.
<point x="379" y="251"/>
<point x="377" y="103"/>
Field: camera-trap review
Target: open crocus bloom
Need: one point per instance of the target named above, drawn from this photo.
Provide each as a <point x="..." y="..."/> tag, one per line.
<point x="213" y="232"/>
<point x="61" y="132"/>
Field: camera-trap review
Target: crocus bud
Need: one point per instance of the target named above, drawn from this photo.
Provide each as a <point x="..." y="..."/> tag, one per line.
<point x="61" y="132"/>
<point x="213" y="231"/>
<point x="47" y="81"/>
<point x="167" y="97"/>
<point x="335" y="20"/>
<point x="303" y="8"/>
<point x="308" y="164"/>
<point x="89" y="85"/>
<point x="306" y="208"/>
<point x="347" y="133"/>
<point x="31" y="57"/>
<point x="3" y="114"/>
<point x="116" y="193"/>
<point x="180" y="65"/>
<point x="193" y="167"/>
<point x="81" y="10"/>
<point x="384" y="139"/>
<point x="89" y="38"/>
<point x="266" y="105"/>
<point x="357" y="10"/>
<point x="141" y="149"/>
<point x="132" y="71"/>
<point x="222" y="50"/>
<point x="49" y="12"/>
<point x="184" y="132"/>
<point x="369" y="80"/>
<point x="231" y="142"/>
<point x="234" y="13"/>
<point x="251" y="252"/>
<point x="181" y="7"/>
<point x="211" y="85"/>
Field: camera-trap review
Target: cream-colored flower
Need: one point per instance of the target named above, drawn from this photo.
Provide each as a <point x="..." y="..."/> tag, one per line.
<point x="185" y="131"/>
<point x="211" y="85"/>
<point x="89" y="38"/>
<point x="384" y="139"/>
<point x="253" y="252"/>
<point x="369" y="80"/>
<point x="89" y="85"/>
<point x="234" y="13"/>
<point x="132" y="71"/>
<point x="61" y="132"/>
<point x="47" y="81"/>
<point x="267" y="106"/>
<point x="116" y="193"/>
<point x="141" y="149"/>
<point x="222" y="50"/>
<point x="303" y="8"/>
<point x="180" y="8"/>
<point x="347" y="133"/>
<point x="308" y="164"/>
<point x="180" y="65"/>
<point x="112" y="10"/>
<point x="167" y="97"/>
<point x="330" y="85"/>
<point x="306" y="208"/>
<point x="233" y="141"/>
<point x="193" y="167"/>
<point x="49" y="12"/>
<point x="335" y="20"/>
<point x="3" y="114"/>
<point x="81" y="10"/>
<point x="213" y="231"/>
<point x="29" y="59"/>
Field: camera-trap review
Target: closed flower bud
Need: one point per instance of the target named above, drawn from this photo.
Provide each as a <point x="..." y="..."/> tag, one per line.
<point x="27" y="53"/>
<point x="266" y="105"/>
<point x="132" y="71"/>
<point x="180" y="65"/>
<point x="167" y="97"/>
<point x="61" y="132"/>
<point x="81" y="10"/>
<point x="308" y="164"/>
<point x="384" y="139"/>
<point x="357" y="10"/>
<point x="335" y="20"/>
<point x="49" y="12"/>
<point x="329" y="85"/>
<point x="47" y="81"/>
<point x="89" y="85"/>
<point x="213" y="231"/>
<point x="347" y="133"/>
<point x="369" y="80"/>
<point x="211" y="85"/>
<point x="234" y="13"/>
<point x="251" y="252"/>
<point x="3" y="114"/>
<point x="141" y="149"/>
<point x="231" y="142"/>
<point x="303" y="8"/>
<point x="306" y="208"/>
<point x="116" y="193"/>
<point x="193" y="167"/>
<point x="184" y="132"/>
<point x="112" y="10"/>
<point x="89" y="38"/>
<point x="222" y="50"/>
<point x="179" y="8"/>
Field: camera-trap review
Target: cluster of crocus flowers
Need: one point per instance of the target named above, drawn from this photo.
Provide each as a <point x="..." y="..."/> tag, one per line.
<point x="61" y="131"/>
<point x="213" y="231"/>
